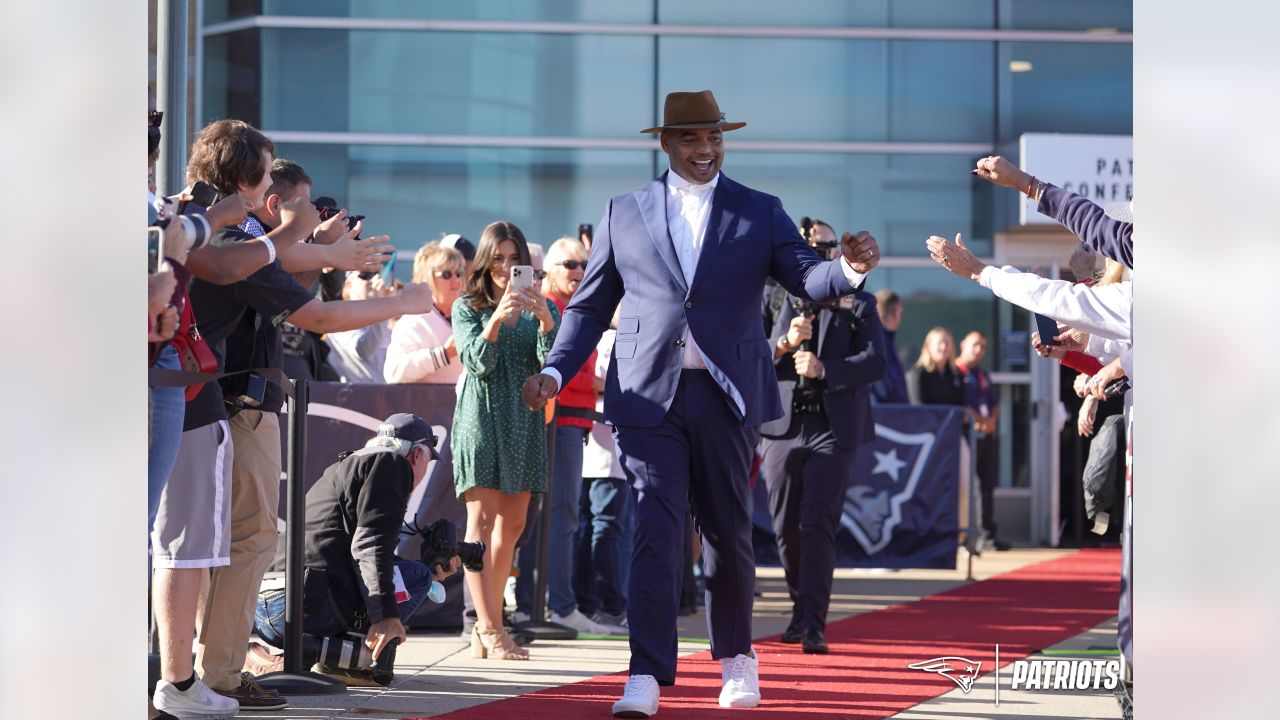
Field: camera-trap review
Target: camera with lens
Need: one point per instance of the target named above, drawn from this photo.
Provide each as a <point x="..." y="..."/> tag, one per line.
<point x="440" y="544"/>
<point x="347" y="657"/>
<point x="328" y="207"/>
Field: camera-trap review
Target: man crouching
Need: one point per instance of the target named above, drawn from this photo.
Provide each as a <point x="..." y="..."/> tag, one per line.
<point x="354" y="515"/>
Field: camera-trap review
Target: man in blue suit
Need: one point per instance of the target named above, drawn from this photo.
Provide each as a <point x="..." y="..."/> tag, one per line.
<point x="827" y="355"/>
<point x="691" y="379"/>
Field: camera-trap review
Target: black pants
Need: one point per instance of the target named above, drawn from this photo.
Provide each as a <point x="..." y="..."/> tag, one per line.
<point x="807" y="474"/>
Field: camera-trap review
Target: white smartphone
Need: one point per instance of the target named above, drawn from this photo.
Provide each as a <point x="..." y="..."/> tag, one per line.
<point x="521" y="278"/>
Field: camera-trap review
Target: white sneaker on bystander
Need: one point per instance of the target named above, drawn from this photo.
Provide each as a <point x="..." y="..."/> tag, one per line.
<point x="197" y="702"/>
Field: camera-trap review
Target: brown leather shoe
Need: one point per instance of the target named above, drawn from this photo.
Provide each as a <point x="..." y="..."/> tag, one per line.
<point x="253" y="696"/>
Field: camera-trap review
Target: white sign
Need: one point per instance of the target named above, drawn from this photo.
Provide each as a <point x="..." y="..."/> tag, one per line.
<point x="1097" y="167"/>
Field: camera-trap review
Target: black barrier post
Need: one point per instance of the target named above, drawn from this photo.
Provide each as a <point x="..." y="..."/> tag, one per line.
<point x="537" y="625"/>
<point x="294" y="680"/>
<point x="973" y="535"/>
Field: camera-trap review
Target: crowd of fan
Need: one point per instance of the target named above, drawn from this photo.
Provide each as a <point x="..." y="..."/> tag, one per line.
<point x="263" y="283"/>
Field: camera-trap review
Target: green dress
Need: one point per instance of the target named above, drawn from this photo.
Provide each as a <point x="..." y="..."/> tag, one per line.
<point x="497" y="441"/>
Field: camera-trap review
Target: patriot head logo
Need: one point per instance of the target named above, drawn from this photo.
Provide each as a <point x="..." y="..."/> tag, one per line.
<point x="873" y="508"/>
<point x="961" y="670"/>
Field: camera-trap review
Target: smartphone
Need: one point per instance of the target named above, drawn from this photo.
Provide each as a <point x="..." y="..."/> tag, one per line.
<point x="587" y="230"/>
<point x="521" y="278"/>
<point x="202" y="196"/>
<point x="1048" y="330"/>
<point x="388" y="271"/>
<point x="153" y="249"/>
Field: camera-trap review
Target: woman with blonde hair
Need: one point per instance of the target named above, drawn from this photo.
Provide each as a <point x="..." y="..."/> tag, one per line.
<point x="422" y="348"/>
<point x="935" y="380"/>
<point x="499" y="445"/>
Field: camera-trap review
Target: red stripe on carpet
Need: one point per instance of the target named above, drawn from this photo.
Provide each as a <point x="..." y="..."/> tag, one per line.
<point x="866" y="674"/>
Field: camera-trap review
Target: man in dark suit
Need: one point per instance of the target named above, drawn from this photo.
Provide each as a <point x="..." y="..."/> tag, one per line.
<point x="691" y="379"/>
<point x="826" y="363"/>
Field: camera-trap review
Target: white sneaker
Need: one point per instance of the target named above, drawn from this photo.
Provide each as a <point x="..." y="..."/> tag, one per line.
<point x="581" y="623"/>
<point x="197" y="703"/>
<point x="639" y="698"/>
<point x="741" y="677"/>
<point x="518" y="617"/>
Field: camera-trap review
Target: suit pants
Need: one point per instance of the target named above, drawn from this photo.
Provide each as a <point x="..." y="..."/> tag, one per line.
<point x="701" y="454"/>
<point x="807" y="474"/>
<point x="233" y="589"/>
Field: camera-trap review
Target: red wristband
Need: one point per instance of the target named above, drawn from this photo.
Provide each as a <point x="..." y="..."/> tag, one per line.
<point x="1031" y="187"/>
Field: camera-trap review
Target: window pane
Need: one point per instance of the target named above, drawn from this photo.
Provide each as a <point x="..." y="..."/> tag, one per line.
<point x="852" y="13"/>
<point x="416" y="194"/>
<point x="901" y="199"/>
<point x="869" y="90"/>
<point x="1068" y="88"/>
<point x="1075" y="15"/>
<point x="623" y="11"/>
<point x="456" y="83"/>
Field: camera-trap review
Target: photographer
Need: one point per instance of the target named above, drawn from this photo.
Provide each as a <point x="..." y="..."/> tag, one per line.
<point x="354" y="514"/>
<point x="827" y="356"/>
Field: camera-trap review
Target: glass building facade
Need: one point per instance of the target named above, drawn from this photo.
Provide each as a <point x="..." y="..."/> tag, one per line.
<point x="432" y="117"/>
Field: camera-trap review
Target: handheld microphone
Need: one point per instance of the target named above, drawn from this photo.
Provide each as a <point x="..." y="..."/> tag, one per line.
<point x="806" y="225"/>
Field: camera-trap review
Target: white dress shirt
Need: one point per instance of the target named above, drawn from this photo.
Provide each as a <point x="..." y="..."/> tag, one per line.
<point x="688" y="209"/>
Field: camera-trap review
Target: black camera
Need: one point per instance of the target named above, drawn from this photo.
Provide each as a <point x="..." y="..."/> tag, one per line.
<point x="440" y="544"/>
<point x="328" y="207"/>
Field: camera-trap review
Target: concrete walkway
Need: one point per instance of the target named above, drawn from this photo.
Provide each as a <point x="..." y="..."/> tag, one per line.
<point x="436" y="674"/>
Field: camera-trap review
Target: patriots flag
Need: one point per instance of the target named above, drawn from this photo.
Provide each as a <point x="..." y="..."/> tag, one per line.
<point x="901" y="510"/>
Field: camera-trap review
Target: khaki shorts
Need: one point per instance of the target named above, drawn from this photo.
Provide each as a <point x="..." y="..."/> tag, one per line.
<point x="192" y="528"/>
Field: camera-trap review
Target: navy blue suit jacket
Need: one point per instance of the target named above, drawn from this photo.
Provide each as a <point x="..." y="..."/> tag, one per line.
<point x="749" y="238"/>
<point x="852" y="348"/>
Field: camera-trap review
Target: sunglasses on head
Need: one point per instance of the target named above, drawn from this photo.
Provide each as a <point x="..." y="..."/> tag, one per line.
<point x="574" y="264"/>
<point x="448" y="274"/>
<point x="154" y="117"/>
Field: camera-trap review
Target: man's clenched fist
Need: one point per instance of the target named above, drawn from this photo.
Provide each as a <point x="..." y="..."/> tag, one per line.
<point x="537" y="390"/>
<point x="860" y="250"/>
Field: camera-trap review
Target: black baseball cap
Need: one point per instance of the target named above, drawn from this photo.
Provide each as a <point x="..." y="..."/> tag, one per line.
<point x="411" y="428"/>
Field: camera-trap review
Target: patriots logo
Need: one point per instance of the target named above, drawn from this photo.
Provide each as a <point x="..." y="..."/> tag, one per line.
<point x="873" y="506"/>
<point x="961" y="670"/>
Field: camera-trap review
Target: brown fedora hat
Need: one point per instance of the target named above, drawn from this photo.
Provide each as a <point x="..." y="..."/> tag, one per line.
<point x="692" y="111"/>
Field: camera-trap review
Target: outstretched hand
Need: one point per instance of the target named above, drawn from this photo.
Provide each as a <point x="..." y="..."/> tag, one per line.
<point x="537" y="390"/>
<point x="955" y="257"/>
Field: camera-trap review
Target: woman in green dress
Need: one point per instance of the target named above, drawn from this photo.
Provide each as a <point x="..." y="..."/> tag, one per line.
<point x="499" y="445"/>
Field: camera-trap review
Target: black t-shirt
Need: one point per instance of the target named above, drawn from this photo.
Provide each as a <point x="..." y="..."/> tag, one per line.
<point x="222" y="310"/>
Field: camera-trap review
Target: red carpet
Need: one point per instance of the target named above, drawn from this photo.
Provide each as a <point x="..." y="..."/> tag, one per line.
<point x="866" y="674"/>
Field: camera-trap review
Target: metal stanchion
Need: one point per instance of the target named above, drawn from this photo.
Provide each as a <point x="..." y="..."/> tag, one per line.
<point x="294" y="680"/>
<point x="537" y="625"/>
